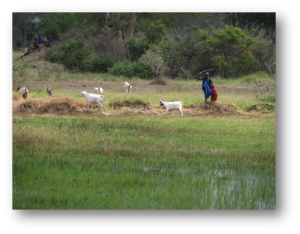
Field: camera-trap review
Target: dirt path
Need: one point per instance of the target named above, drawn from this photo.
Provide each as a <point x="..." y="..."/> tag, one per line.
<point x="82" y="85"/>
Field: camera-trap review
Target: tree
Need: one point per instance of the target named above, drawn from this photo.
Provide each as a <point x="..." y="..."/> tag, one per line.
<point x="207" y="21"/>
<point x="155" y="31"/>
<point x="126" y="23"/>
<point x="232" y="51"/>
<point x="258" y="20"/>
<point x="170" y="20"/>
<point x="56" y="23"/>
<point x="122" y="25"/>
<point x="24" y="28"/>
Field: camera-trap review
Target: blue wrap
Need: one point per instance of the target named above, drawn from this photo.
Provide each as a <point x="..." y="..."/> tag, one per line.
<point x="206" y="87"/>
<point x="41" y="40"/>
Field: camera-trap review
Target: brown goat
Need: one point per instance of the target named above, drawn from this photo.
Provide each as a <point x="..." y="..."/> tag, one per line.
<point x="49" y="92"/>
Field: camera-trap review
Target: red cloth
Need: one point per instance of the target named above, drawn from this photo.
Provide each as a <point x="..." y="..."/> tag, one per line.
<point x="35" y="44"/>
<point x="214" y="95"/>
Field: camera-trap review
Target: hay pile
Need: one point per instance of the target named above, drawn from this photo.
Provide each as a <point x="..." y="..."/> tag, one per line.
<point x="212" y="108"/>
<point x="71" y="106"/>
<point x="15" y="96"/>
<point x="48" y="106"/>
<point x="261" y="108"/>
<point x="137" y="104"/>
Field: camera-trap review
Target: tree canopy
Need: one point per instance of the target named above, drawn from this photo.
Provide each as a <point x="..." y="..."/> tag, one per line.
<point x="123" y="23"/>
<point x="261" y="20"/>
<point x="232" y="44"/>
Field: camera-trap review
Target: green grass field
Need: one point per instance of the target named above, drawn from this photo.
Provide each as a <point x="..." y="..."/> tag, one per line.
<point x="143" y="163"/>
<point x="137" y="161"/>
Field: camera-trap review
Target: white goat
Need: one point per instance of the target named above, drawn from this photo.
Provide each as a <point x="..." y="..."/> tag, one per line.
<point x="172" y="106"/>
<point x="93" y="98"/>
<point x="23" y="92"/>
<point x="98" y="90"/>
<point x="127" y="87"/>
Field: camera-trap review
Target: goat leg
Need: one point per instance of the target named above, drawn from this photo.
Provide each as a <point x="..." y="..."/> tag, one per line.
<point x="101" y="106"/>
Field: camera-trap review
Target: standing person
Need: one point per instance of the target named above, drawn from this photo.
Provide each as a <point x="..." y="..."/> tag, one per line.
<point x="206" y="85"/>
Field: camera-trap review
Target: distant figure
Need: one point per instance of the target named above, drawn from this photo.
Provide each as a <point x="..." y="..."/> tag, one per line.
<point x="206" y="85"/>
<point x="35" y="44"/>
<point x="27" y="53"/>
<point x="49" y="42"/>
<point x="41" y="40"/>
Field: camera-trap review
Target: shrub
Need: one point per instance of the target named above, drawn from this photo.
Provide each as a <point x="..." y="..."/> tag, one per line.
<point x="100" y="63"/>
<point x="54" y="55"/>
<point x="101" y="50"/>
<point x="74" y="56"/>
<point x="90" y="61"/>
<point x="131" y="69"/>
<point x="154" y="61"/>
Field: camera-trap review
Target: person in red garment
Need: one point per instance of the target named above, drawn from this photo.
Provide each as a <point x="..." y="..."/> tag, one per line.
<point x="214" y="95"/>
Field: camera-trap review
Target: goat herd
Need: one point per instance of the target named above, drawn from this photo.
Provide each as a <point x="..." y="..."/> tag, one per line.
<point x="96" y="98"/>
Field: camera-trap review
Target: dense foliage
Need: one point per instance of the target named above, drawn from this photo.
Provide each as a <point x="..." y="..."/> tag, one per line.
<point x="100" y="42"/>
<point x="131" y="69"/>
<point x="264" y="20"/>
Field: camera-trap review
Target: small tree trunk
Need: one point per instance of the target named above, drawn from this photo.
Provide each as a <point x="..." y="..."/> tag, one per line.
<point x="130" y="26"/>
<point x="159" y="72"/>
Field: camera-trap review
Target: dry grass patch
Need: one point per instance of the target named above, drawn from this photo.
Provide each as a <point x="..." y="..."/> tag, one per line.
<point x="262" y="108"/>
<point x="15" y="96"/>
<point x="48" y="105"/>
<point x="213" y="108"/>
<point x="137" y="104"/>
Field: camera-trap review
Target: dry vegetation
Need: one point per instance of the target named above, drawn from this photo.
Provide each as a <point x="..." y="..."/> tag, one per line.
<point x="72" y="106"/>
<point x="264" y="88"/>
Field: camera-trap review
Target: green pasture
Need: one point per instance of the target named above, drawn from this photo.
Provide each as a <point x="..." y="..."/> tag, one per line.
<point x="143" y="162"/>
